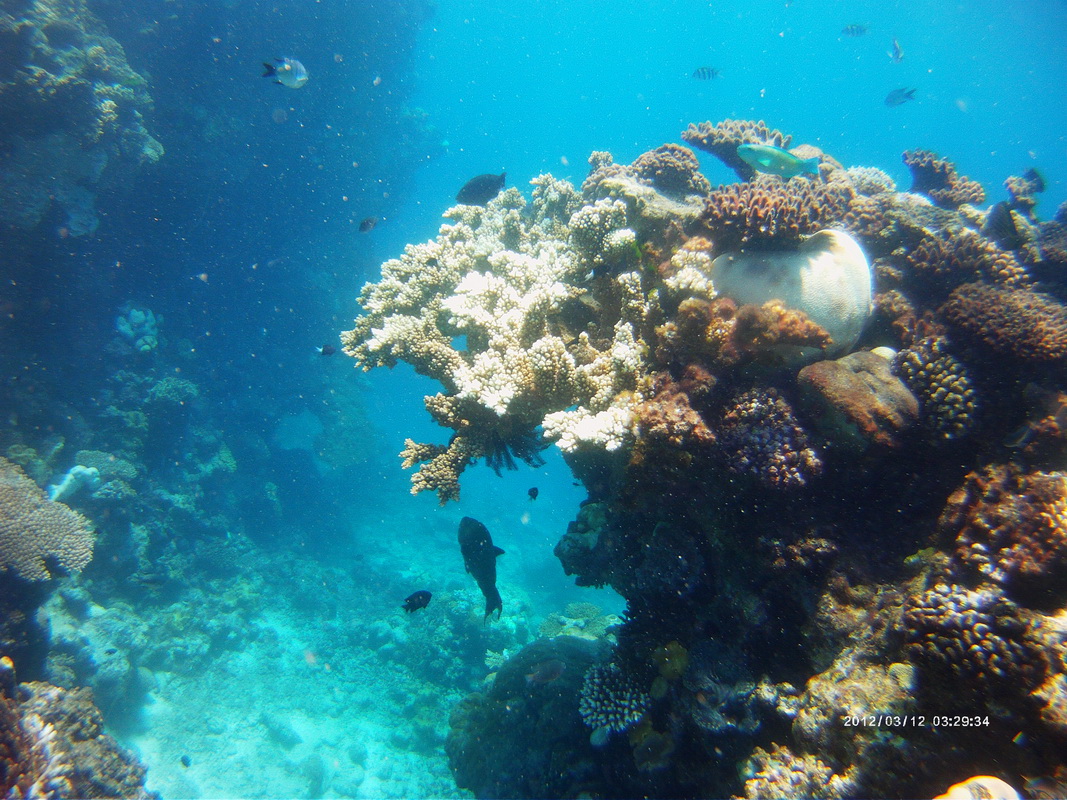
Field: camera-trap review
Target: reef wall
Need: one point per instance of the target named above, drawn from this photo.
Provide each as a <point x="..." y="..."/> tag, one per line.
<point x="842" y="547"/>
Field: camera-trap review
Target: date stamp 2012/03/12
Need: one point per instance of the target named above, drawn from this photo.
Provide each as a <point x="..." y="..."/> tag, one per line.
<point x="915" y="721"/>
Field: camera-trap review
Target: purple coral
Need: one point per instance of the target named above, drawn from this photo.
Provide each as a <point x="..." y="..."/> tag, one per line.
<point x="760" y="436"/>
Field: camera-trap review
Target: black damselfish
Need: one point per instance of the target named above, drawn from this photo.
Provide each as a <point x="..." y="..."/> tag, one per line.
<point x="480" y="189"/>
<point x="479" y="557"/>
<point x="420" y="599"/>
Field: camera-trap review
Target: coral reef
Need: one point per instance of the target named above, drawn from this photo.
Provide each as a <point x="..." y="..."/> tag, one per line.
<point x="722" y="139"/>
<point x="759" y="436"/>
<point x="1020" y="323"/>
<point x="937" y="178"/>
<point x="858" y="401"/>
<point x="610" y="701"/>
<point x="52" y="745"/>
<point x="940" y="381"/>
<point x="1010" y="528"/>
<point x="811" y="524"/>
<point x="39" y="538"/>
<point x="77" y="109"/>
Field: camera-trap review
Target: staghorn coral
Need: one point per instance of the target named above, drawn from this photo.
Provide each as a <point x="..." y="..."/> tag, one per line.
<point x="937" y="178"/>
<point x="941" y="383"/>
<point x="1020" y="323"/>
<point x="722" y="139"/>
<point x="760" y="436"/>
<point x="39" y="539"/>
<point x="1010" y="527"/>
<point x="610" y="701"/>
<point x="502" y="280"/>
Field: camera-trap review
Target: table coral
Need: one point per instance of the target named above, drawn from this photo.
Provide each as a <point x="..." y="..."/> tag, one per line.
<point x="722" y="139"/>
<point x="937" y="178"/>
<point x="39" y="539"/>
<point x="946" y="259"/>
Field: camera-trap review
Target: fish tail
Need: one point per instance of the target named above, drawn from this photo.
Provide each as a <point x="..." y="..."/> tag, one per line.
<point x="269" y="70"/>
<point x="811" y="165"/>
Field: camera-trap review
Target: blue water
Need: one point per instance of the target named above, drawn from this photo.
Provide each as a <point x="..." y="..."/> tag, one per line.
<point x="244" y="240"/>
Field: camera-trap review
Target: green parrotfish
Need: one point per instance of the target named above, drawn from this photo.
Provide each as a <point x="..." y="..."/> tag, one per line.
<point x="776" y="161"/>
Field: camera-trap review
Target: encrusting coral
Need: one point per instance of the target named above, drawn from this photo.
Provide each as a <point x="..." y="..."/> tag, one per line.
<point x="39" y="538"/>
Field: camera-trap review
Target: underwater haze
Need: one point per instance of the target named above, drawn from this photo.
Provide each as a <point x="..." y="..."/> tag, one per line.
<point x="416" y="398"/>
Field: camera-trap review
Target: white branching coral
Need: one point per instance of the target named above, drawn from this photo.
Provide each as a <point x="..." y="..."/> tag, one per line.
<point x="529" y="315"/>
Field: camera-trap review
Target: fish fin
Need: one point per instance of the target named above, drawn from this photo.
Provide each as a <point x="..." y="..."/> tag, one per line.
<point x="268" y="69"/>
<point x="497" y="552"/>
<point x="811" y="165"/>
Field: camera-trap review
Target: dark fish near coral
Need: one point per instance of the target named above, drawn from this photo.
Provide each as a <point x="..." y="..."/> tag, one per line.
<point x="899" y="97"/>
<point x="367" y="225"/>
<point x="706" y="73"/>
<point x="1000" y="227"/>
<point x="480" y="189"/>
<point x="150" y="580"/>
<point x="533" y="492"/>
<point x="545" y="672"/>
<point x="186" y="761"/>
<point x="479" y="558"/>
<point x="326" y="350"/>
<point x="287" y="72"/>
<point x="855" y="31"/>
<point x="420" y="599"/>
<point x="896" y="55"/>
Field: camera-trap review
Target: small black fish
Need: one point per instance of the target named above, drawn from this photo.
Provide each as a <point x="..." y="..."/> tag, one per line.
<point x="479" y="557"/>
<point x="368" y="224"/>
<point x="420" y="599"/>
<point x="186" y="761"/>
<point x="899" y="97"/>
<point x="480" y="189"/>
<point x="706" y="73"/>
<point x="326" y="350"/>
<point x="111" y="651"/>
<point x="533" y="492"/>
<point x="855" y="31"/>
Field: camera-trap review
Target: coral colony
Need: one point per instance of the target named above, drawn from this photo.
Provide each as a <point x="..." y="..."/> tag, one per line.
<point x="769" y="389"/>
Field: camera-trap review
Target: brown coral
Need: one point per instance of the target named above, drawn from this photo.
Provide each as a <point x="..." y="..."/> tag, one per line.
<point x="673" y="170"/>
<point x="38" y="538"/>
<point x="972" y="643"/>
<point x="937" y="178"/>
<point x="1011" y="528"/>
<point x="770" y="212"/>
<point x="1020" y="323"/>
<point x="669" y="418"/>
<point x="1022" y="189"/>
<point x="948" y="259"/>
<point x="722" y="139"/>
<point x="52" y="745"/>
